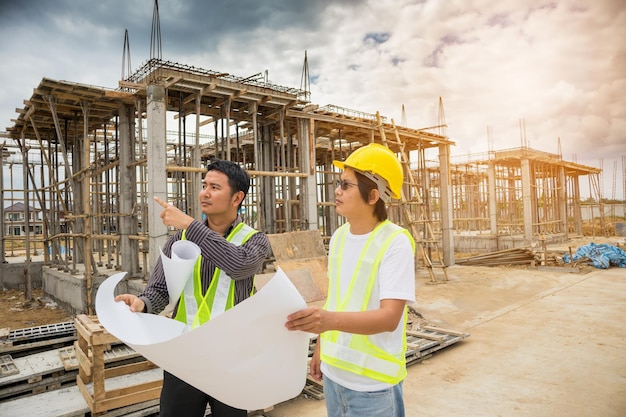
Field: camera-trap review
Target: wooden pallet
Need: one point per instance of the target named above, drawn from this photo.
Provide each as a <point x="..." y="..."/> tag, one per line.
<point x="313" y="388"/>
<point x="93" y="341"/>
<point x="422" y="343"/>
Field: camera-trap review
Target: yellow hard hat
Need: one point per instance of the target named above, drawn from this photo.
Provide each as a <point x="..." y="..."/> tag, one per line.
<point x="378" y="160"/>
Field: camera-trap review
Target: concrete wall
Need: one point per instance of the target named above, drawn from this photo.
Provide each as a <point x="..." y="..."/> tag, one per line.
<point x="68" y="290"/>
<point x="490" y="243"/>
<point x="475" y="244"/>
<point x="12" y="275"/>
<point x="589" y="212"/>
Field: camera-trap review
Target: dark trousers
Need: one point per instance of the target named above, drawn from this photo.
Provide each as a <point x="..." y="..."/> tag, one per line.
<point x="179" y="399"/>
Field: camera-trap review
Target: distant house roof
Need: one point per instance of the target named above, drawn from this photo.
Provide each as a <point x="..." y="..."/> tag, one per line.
<point x="20" y="207"/>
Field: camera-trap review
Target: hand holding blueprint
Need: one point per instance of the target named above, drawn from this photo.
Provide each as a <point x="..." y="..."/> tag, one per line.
<point x="179" y="268"/>
<point x="245" y="357"/>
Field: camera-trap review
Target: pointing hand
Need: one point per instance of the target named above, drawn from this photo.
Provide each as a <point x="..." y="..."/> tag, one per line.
<point x="172" y="216"/>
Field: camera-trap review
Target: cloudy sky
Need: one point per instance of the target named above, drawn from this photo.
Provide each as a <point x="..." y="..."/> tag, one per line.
<point x="559" y="66"/>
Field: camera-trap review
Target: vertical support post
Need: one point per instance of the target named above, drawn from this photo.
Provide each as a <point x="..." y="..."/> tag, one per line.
<point x="196" y="177"/>
<point x="3" y="230"/>
<point x="578" y="217"/>
<point x="77" y="243"/>
<point x="527" y="200"/>
<point x="447" y="237"/>
<point x="227" y="105"/>
<point x="99" y="389"/>
<point x="332" y="222"/>
<point x="308" y="196"/>
<point x="562" y="201"/>
<point x="284" y="167"/>
<point x="86" y="194"/>
<point x="28" y="282"/>
<point x="493" y="206"/>
<point x="255" y="133"/>
<point x="129" y="249"/>
<point x="157" y="168"/>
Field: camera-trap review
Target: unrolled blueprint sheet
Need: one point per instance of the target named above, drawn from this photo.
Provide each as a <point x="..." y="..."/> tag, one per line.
<point x="245" y="357"/>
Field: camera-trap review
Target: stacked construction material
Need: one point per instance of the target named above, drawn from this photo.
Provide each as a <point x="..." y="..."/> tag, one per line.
<point x="516" y="256"/>
<point x="599" y="255"/>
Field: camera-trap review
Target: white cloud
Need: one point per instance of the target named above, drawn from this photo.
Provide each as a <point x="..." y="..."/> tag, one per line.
<point x="558" y="65"/>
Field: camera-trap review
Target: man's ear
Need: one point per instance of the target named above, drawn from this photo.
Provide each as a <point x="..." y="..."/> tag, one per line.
<point x="374" y="196"/>
<point x="239" y="196"/>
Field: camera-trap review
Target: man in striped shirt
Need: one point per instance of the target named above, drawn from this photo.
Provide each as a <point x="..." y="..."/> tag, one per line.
<point x="224" y="188"/>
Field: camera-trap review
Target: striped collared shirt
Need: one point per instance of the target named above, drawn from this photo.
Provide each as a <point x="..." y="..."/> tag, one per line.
<point x="241" y="263"/>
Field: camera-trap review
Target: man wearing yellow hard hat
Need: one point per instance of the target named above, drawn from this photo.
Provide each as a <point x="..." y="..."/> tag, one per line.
<point x="360" y="353"/>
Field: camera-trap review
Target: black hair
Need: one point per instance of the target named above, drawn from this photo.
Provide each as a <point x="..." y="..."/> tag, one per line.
<point x="366" y="186"/>
<point x="238" y="178"/>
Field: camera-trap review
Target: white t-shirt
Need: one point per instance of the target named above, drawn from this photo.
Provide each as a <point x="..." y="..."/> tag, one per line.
<point x="395" y="280"/>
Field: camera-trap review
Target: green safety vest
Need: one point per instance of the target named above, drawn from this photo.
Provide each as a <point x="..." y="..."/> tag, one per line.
<point x="196" y="308"/>
<point x="355" y="352"/>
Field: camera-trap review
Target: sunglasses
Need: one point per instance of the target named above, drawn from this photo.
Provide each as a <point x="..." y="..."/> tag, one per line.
<point x="344" y="184"/>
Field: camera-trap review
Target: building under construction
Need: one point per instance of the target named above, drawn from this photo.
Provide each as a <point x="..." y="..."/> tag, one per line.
<point x="92" y="158"/>
<point x="513" y="197"/>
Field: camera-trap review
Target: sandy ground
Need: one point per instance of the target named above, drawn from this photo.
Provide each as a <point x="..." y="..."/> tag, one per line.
<point x="17" y="313"/>
<point x="542" y="343"/>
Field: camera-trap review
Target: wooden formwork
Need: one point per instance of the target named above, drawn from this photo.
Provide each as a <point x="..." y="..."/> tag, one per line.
<point x="93" y="340"/>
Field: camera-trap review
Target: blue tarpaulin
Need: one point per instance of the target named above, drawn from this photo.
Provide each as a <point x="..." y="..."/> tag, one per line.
<point x="601" y="255"/>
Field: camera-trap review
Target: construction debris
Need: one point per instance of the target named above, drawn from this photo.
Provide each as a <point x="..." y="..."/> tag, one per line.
<point x="599" y="255"/>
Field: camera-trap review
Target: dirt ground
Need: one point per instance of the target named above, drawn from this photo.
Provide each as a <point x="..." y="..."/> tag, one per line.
<point x="17" y="313"/>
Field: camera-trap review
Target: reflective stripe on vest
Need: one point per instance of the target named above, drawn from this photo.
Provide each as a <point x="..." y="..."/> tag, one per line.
<point x="353" y="352"/>
<point x="194" y="308"/>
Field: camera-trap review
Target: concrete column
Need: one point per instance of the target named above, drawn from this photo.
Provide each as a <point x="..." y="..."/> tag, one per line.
<point x="283" y="164"/>
<point x="197" y="177"/>
<point x="255" y="131"/>
<point x="86" y="210"/>
<point x="129" y="249"/>
<point x="308" y="198"/>
<point x="2" y="230"/>
<point x="527" y="200"/>
<point x="227" y="128"/>
<point x="80" y="205"/>
<point x="332" y="222"/>
<point x="254" y="108"/>
<point x="578" y="217"/>
<point x="447" y="235"/>
<point x="562" y="201"/>
<point x="157" y="169"/>
<point x="492" y="204"/>
<point x="266" y="183"/>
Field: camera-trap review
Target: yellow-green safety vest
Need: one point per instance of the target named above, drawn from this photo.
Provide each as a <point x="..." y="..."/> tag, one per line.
<point x="196" y="308"/>
<point x="354" y="352"/>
